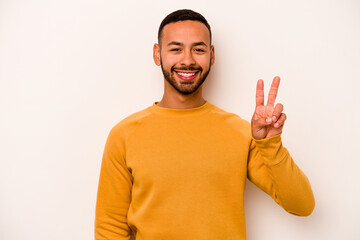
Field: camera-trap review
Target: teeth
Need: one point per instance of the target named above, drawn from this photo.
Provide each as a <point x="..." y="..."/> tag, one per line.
<point x="186" y="74"/>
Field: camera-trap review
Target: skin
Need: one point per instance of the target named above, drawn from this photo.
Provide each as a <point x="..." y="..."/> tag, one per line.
<point x="185" y="46"/>
<point x="267" y="120"/>
<point x="180" y="49"/>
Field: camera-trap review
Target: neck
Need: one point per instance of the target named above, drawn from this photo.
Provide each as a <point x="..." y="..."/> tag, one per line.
<point x="173" y="99"/>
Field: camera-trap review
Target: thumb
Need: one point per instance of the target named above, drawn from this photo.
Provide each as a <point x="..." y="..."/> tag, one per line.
<point x="260" y="122"/>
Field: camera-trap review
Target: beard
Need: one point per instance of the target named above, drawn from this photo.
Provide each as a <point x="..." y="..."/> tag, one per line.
<point x="185" y="87"/>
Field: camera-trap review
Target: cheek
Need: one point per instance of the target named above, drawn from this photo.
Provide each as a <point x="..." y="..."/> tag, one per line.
<point x="203" y="61"/>
<point x="169" y="60"/>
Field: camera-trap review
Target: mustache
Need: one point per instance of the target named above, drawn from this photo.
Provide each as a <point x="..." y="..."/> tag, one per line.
<point x="187" y="68"/>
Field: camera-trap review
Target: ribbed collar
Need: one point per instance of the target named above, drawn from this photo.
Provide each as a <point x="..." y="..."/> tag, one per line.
<point x="207" y="106"/>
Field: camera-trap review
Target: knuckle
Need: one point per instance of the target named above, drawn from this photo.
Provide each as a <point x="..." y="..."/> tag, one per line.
<point x="280" y="106"/>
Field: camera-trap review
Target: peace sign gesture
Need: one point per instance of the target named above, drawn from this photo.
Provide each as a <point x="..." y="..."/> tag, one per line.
<point x="268" y="120"/>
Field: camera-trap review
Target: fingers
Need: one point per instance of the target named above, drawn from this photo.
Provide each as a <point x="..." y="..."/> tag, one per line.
<point x="277" y="111"/>
<point x="260" y="93"/>
<point x="273" y="114"/>
<point x="269" y="113"/>
<point x="280" y="122"/>
<point x="273" y="91"/>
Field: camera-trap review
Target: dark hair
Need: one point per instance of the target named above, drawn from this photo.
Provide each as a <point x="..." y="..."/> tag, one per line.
<point x="182" y="15"/>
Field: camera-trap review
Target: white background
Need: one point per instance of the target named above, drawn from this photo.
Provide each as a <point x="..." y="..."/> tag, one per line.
<point x="70" y="70"/>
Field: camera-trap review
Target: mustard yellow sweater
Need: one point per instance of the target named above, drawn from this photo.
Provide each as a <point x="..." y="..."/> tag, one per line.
<point x="180" y="174"/>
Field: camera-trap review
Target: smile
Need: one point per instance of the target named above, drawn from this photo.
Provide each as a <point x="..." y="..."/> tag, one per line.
<point x="186" y="75"/>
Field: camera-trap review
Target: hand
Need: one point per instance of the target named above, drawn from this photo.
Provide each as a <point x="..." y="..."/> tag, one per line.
<point x="268" y="120"/>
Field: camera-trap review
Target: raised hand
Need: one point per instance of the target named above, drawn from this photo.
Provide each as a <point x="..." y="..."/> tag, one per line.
<point x="268" y="120"/>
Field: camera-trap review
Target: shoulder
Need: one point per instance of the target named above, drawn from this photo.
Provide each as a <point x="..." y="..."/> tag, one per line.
<point x="129" y="123"/>
<point x="229" y="117"/>
<point x="233" y="120"/>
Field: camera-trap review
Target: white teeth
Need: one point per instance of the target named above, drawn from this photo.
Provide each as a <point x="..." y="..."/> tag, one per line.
<point x="186" y="74"/>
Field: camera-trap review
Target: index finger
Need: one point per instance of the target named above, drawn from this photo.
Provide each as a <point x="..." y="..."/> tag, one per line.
<point x="260" y="92"/>
<point x="273" y="91"/>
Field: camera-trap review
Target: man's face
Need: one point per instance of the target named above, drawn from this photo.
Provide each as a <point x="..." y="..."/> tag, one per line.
<point x="185" y="55"/>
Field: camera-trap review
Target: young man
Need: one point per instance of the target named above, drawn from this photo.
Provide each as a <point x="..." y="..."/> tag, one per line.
<point x="177" y="169"/>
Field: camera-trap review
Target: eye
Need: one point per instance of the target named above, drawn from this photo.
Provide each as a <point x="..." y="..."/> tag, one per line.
<point x="199" y="50"/>
<point x="175" y="50"/>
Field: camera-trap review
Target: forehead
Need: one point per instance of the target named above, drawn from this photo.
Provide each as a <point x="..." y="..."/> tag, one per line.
<point x="185" y="32"/>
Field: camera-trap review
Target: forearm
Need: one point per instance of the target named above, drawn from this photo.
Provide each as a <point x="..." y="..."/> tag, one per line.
<point x="281" y="178"/>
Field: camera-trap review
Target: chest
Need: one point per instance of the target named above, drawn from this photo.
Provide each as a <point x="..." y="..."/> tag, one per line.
<point x="186" y="153"/>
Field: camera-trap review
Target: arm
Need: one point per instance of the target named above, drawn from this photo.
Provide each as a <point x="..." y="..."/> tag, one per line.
<point x="271" y="168"/>
<point x="270" y="165"/>
<point x="114" y="192"/>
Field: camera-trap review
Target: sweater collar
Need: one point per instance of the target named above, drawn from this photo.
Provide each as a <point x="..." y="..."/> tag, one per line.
<point x="181" y="112"/>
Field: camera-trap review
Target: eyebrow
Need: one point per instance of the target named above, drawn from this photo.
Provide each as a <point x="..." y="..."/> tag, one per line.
<point x="181" y="44"/>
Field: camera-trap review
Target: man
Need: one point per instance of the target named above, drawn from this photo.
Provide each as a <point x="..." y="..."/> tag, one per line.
<point x="177" y="169"/>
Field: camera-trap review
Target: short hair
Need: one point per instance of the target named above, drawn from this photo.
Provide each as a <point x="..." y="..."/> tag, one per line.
<point x="182" y="15"/>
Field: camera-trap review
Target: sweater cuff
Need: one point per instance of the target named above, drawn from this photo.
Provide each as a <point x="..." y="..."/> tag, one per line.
<point x="271" y="149"/>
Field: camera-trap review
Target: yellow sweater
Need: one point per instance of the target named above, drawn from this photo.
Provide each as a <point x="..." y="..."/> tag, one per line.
<point x="180" y="174"/>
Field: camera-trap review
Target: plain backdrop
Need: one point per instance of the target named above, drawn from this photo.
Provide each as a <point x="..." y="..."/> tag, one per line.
<point x="71" y="69"/>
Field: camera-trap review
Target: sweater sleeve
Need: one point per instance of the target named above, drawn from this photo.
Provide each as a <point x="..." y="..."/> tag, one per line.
<point x="114" y="192"/>
<point x="271" y="168"/>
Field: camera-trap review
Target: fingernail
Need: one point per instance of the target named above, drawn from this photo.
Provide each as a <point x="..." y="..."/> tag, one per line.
<point x="276" y="125"/>
<point x="274" y="118"/>
<point x="268" y="120"/>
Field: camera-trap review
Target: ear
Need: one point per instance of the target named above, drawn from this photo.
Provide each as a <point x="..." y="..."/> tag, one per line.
<point x="212" y="55"/>
<point x="156" y="54"/>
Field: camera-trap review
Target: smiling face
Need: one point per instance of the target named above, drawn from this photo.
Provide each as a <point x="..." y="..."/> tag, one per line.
<point x="185" y="55"/>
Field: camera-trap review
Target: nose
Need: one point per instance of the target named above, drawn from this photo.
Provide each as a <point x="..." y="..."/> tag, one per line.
<point x="187" y="59"/>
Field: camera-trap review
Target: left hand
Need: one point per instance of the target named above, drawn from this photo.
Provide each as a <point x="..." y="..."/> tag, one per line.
<point x="268" y="120"/>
